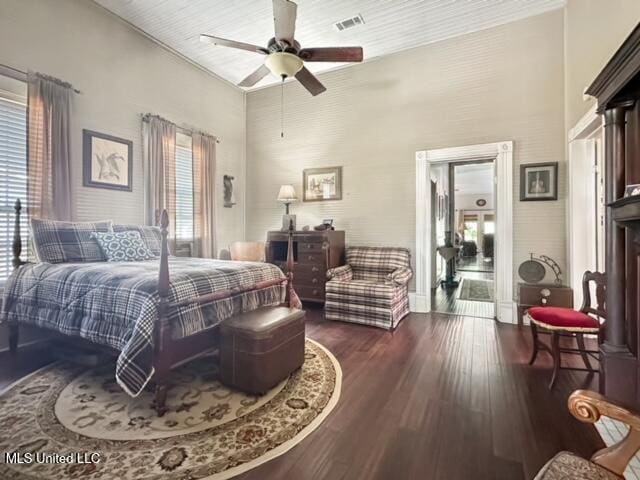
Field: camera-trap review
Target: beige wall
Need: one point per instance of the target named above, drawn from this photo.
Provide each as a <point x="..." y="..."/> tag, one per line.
<point x="122" y="74"/>
<point x="505" y="83"/>
<point x="594" y="29"/>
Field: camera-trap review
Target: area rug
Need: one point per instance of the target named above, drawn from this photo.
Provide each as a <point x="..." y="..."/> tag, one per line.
<point x="476" y="290"/>
<point x="67" y="413"/>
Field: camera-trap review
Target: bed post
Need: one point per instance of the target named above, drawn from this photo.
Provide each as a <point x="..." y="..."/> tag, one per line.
<point x="17" y="237"/>
<point x="16" y="247"/>
<point x="291" y="300"/>
<point x="162" y="328"/>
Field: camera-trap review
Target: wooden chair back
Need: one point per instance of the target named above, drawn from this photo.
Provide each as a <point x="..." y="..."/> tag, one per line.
<point x="599" y="309"/>
<point x="247" y="251"/>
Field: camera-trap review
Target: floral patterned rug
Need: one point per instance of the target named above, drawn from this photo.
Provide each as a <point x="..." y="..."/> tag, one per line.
<point x="65" y="421"/>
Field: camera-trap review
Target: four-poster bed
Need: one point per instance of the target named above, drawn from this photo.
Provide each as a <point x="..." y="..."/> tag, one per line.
<point x="178" y="313"/>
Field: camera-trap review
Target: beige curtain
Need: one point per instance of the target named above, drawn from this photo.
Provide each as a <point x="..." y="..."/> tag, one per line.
<point x="204" y="200"/>
<point x="159" y="159"/>
<point x="48" y="137"/>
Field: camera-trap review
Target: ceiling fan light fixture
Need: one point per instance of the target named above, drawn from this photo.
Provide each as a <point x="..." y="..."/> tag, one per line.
<point x="283" y="64"/>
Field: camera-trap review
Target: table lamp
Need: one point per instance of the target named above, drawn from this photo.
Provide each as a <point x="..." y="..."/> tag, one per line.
<point x="287" y="195"/>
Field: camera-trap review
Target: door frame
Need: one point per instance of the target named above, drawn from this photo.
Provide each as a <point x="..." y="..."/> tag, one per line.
<point x="582" y="148"/>
<point x="502" y="155"/>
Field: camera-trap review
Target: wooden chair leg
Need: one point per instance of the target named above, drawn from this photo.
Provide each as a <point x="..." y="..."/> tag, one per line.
<point x="583" y="350"/>
<point x="534" y="338"/>
<point x="557" y="359"/>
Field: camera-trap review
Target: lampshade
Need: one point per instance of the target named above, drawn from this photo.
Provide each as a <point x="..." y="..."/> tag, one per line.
<point x="287" y="194"/>
<point x="283" y="64"/>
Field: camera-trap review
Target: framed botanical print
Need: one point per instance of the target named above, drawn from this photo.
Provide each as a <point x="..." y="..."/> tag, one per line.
<point x="322" y="184"/>
<point x="539" y="181"/>
<point x="107" y="161"/>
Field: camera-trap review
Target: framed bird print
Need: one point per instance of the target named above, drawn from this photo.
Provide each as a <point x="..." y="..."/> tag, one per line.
<point x="107" y="161"/>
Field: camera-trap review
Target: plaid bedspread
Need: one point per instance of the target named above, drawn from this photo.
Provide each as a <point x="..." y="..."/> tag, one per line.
<point x="117" y="304"/>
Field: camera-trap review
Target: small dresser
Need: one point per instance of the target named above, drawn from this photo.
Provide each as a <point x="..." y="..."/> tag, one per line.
<point x="313" y="253"/>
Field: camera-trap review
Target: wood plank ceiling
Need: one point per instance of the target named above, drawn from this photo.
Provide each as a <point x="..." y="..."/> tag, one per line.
<point x="390" y="25"/>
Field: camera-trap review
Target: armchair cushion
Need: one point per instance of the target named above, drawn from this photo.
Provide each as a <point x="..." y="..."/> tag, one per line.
<point x="366" y="292"/>
<point x="340" y="274"/>
<point x="400" y="276"/>
<point x="566" y="465"/>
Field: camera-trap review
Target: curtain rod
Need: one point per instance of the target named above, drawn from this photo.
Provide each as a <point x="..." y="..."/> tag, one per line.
<point x="184" y="127"/>
<point x="21" y="75"/>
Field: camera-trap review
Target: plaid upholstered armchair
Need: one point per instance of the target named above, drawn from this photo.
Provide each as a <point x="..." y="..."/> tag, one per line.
<point x="372" y="288"/>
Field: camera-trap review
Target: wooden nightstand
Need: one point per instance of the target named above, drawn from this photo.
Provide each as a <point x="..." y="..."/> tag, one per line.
<point x="529" y="295"/>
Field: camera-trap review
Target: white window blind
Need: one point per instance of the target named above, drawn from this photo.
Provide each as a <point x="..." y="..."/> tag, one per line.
<point x="184" y="188"/>
<point x="13" y="177"/>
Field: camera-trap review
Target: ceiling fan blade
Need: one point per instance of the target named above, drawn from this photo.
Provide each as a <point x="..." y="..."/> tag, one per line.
<point x="331" y="54"/>
<point x="284" y="20"/>
<point x="310" y="82"/>
<point x="223" y="42"/>
<point x="255" y="77"/>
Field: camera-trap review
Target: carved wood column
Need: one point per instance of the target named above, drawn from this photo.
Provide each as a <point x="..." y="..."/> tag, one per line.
<point x="615" y="353"/>
<point x="614" y="128"/>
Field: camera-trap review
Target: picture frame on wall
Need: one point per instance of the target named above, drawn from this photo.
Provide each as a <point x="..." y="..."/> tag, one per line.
<point x="539" y="182"/>
<point x="319" y="184"/>
<point x="107" y="161"/>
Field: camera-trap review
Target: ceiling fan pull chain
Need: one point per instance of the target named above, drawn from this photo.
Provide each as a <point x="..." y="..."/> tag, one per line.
<point x="282" y="108"/>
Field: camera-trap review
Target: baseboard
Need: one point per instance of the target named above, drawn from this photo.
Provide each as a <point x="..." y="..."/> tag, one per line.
<point x="418" y="303"/>
<point x="507" y="312"/>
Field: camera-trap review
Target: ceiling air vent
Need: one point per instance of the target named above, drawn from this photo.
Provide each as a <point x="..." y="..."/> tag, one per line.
<point x="349" y="23"/>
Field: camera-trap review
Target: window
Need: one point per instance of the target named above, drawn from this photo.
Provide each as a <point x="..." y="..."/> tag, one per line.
<point x="13" y="173"/>
<point x="489" y="227"/>
<point x="470" y="232"/>
<point x="184" y="189"/>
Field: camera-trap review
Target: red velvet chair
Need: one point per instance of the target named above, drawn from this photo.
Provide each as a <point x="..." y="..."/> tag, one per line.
<point x="565" y="322"/>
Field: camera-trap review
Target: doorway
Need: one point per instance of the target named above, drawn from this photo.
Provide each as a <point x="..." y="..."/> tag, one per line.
<point x="464" y="246"/>
<point x="427" y="163"/>
<point x="586" y="206"/>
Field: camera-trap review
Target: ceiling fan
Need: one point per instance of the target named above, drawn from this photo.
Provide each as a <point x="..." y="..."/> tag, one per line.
<point x="284" y="57"/>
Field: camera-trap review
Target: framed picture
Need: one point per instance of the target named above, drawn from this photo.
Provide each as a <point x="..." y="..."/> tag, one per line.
<point x="539" y="181"/>
<point x="632" y="190"/>
<point x="322" y="184"/>
<point x="107" y="161"/>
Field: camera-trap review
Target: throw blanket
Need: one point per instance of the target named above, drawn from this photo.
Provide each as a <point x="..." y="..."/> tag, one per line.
<point x="116" y="304"/>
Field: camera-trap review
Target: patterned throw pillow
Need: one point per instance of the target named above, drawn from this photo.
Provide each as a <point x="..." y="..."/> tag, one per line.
<point x="58" y="242"/>
<point x="123" y="246"/>
<point x="150" y="235"/>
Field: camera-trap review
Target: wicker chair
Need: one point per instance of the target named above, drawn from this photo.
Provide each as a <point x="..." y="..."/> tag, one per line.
<point x="606" y="464"/>
<point x="372" y="288"/>
<point x="247" y="251"/>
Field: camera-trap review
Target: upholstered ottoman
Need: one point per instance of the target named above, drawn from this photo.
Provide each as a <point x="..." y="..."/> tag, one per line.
<point x="261" y="348"/>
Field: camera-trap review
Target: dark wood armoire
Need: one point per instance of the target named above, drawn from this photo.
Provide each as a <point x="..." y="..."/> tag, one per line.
<point x="617" y="89"/>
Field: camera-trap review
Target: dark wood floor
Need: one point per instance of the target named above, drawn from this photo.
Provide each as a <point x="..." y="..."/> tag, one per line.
<point x="445" y="300"/>
<point x="443" y="397"/>
<point x="475" y="264"/>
